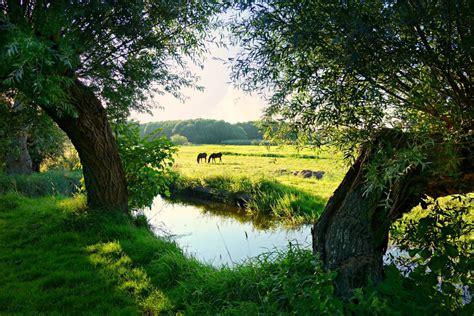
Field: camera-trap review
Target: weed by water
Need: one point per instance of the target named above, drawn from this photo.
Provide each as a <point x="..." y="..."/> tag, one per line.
<point x="277" y="202"/>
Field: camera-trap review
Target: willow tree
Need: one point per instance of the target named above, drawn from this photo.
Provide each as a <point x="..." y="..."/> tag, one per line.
<point x="391" y="78"/>
<point x="76" y="58"/>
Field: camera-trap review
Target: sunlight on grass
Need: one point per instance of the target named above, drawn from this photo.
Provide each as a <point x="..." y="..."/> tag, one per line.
<point x="74" y="204"/>
<point x="118" y="268"/>
<point x="257" y="162"/>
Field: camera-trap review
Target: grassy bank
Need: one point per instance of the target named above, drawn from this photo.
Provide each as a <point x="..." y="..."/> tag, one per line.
<point x="259" y="197"/>
<point x="58" y="257"/>
<point x="264" y="175"/>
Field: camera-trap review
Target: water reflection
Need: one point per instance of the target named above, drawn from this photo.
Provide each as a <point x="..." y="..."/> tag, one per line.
<point x="219" y="234"/>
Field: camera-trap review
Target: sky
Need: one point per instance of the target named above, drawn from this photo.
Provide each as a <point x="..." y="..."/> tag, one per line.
<point x="219" y="100"/>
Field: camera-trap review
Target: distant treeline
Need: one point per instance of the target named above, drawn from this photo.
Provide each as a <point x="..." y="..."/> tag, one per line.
<point x="203" y="131"/>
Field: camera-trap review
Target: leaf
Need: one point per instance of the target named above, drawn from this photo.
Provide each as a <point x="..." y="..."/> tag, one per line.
<point x="452" y="251"/>
<point x="437" y="263"/>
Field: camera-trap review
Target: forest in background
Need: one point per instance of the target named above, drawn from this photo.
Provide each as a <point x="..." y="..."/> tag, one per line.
<point x="206" y="131"/>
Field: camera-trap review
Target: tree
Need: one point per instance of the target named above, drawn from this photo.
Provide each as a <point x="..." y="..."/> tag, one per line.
<point x="27" y="137"/>
<point x="179" y="139"/>
<point x="73" y="57"/>
<point x="14" y="127"/>
<point x="205" y="131"/>
<point x="393" y="78"/>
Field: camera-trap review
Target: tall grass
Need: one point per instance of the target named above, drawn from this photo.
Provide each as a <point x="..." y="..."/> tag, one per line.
<point x="262" y="197"/>
<point x="53" y="182"/>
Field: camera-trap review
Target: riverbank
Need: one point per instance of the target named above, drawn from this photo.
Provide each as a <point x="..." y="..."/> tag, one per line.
<point x="56" y="256"/>
<point x="257" y="197"/>
<point x="263" y="181"/>
<point x="59" y="257"/>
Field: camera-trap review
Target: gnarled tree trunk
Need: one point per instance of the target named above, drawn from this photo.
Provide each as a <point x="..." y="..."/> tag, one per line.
<point x="92" y="137"/>
<point x="351" y="235"/>
<point x="17" y="158"/>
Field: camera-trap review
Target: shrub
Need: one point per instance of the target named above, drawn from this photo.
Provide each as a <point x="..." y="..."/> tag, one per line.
<point x="146" y="162"/>
<point x="440" y="249"/>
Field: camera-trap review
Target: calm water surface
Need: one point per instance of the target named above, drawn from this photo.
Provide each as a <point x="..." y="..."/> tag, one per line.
<point x="218" y="234"/>
<point x="222" y="235"/>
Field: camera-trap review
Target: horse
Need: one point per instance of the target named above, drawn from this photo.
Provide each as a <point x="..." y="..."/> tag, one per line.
<point x="214" y="156"/>
<point x="201" y="156"/>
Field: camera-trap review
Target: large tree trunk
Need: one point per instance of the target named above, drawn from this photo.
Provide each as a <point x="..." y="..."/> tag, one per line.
<point x="17" y="158"/>
<point x="92" y="137"/>
<point x="351" y="235"/>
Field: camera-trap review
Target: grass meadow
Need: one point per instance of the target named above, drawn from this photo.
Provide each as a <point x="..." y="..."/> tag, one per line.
<point x="267" y="174"/>
<point x="58" y="257"/>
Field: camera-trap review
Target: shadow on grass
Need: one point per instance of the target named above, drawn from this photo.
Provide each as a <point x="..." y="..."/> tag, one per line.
<point x="47" y="265"/>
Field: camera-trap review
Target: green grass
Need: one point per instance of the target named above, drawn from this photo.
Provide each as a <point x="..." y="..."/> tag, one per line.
<point x="267" y="174"/>
<point x="53" y="182"/>
<point x="58" y="257"/>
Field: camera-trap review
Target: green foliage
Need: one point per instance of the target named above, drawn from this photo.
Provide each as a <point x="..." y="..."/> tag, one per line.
<point x="275" y="283"/>
<point x="69" y="160"/>
<point x="118" y="48"/>
<point x="440" y="248"/>
<point x="179" y="139"/>
<point x="204" y="131"/>
<point x="367" y="65"/>
<point x="45" y="139"/>
<point x="240" y="142"/>
<point x="55" y="182"/>
<point x="146" y="162"/>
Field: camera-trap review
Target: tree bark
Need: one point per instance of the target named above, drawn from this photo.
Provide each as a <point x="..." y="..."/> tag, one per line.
<point x="17" y="158"/>
<point x="92" y="137"/>
<point x="351" y="235"/>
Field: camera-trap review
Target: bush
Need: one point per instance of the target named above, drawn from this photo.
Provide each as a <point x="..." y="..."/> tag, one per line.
<point x="237" y="142"/>
<point x="69" y="160"/>
<point x="438" y="238"/>
<point x="146" y="162"/>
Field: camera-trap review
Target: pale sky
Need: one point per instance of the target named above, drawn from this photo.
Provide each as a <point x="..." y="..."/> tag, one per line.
<point x="220" y="99"/>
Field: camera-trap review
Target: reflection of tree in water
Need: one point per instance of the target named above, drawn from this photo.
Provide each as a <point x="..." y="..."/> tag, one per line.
<point x="260" y="222"/>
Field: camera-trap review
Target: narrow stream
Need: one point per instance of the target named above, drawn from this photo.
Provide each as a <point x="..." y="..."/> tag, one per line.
<point x="223" y="236"/>
<point x="219" y="234"/>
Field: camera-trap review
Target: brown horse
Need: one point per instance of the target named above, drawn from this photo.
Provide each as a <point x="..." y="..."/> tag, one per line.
<point x="201" y="156"/>
<point x="214" y="156"/>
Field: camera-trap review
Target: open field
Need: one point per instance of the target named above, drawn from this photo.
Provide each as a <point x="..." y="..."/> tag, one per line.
<point x="260" y="162"/>
<point x="267" y="174"/>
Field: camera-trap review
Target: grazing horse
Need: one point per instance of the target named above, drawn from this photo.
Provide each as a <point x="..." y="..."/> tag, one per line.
<point x="214" y="156"/>
<point x="201" y="156"/>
